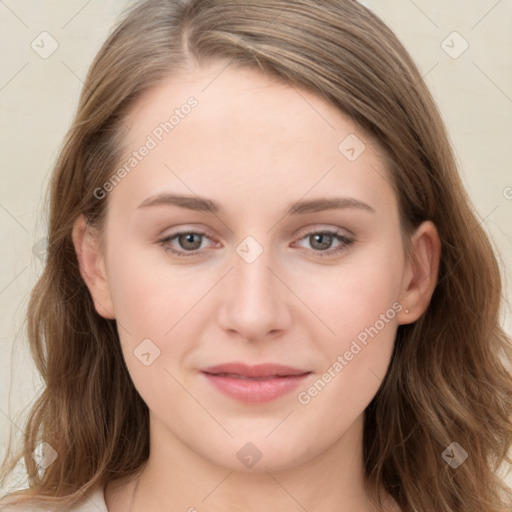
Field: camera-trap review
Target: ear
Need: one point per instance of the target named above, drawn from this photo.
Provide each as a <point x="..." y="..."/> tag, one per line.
<point x="421" y="273"/>
<point x="92" y="266"/>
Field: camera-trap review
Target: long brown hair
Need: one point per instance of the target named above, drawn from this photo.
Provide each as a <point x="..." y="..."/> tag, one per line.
<point x="448" y="379"/>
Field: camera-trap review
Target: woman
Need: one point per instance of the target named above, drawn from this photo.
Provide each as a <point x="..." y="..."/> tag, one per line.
<point x="265" y="286"/>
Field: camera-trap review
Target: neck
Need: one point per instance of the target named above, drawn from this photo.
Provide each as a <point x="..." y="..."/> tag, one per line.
<point x="177" y="478"/>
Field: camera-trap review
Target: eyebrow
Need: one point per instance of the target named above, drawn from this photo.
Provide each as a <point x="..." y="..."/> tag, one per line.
<point x="297" y="208"/>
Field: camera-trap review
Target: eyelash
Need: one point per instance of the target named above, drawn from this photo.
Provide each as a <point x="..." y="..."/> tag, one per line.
<point x="321" y="254"/>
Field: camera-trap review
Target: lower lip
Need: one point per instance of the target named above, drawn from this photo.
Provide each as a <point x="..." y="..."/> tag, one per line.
<point x="255" y="391"/>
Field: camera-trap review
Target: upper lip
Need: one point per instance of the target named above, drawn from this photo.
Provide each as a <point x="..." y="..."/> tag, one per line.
<point x="259" y="370"/>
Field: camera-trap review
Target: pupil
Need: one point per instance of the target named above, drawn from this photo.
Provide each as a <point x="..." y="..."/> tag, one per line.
<point x="189" y="239"/>
<point x="323" y="244"/>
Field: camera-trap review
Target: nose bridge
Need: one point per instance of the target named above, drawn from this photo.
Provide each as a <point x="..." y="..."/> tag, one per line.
<point x="254" y="278"/>
<point x="255" y="301"/>
<point x="255" y="287"/>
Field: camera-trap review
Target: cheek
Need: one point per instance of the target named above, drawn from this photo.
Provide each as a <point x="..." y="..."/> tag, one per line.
<point x="149" y="303"/>
<point x="159" y="310"/>
<point x="353" y="294"/>
<point x="148" y="294"/>
<point x="358" y="305"/>
<point x="355" y="361"/>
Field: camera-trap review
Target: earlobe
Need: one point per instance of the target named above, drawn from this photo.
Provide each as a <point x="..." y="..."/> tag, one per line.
<point x="422" y="273"/>
<point x="92" y="266"/>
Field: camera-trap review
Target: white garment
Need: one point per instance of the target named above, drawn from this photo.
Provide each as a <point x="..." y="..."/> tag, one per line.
<point x="93" y="502"/>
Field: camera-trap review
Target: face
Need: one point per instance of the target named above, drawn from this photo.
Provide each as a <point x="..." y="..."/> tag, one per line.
<point x="284" y="247"/>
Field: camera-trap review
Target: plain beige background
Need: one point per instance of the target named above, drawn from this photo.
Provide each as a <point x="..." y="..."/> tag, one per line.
<point x="462" y="47"/>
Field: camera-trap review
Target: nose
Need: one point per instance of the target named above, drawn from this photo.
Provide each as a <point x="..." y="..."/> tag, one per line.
<point x="255" y="301"/>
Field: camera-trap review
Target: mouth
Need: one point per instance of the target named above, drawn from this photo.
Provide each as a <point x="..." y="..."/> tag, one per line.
<point x="245" y="377"/>
<point x="265" y="370"/>
<point x="254" y="384"/>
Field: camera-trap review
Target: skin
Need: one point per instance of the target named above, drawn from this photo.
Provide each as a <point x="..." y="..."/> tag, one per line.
<point x="254" y="146"/>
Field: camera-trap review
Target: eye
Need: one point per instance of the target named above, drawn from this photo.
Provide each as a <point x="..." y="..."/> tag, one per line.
<point x="189" y="241"/>
<point x="321" y="241"/>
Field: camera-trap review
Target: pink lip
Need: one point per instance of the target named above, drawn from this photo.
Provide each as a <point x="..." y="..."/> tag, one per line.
<point x="254" y="384"/>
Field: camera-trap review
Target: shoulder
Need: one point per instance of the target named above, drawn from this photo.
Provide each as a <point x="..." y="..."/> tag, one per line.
<point x="94" y="501"/>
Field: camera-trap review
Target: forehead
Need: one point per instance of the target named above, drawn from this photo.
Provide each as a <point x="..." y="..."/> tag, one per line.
<point x="237" y="134"/>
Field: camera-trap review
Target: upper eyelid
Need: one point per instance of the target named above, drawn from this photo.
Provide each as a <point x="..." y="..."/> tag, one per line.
<point x="312" y="231"/>
<point x="302" y="232"/>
